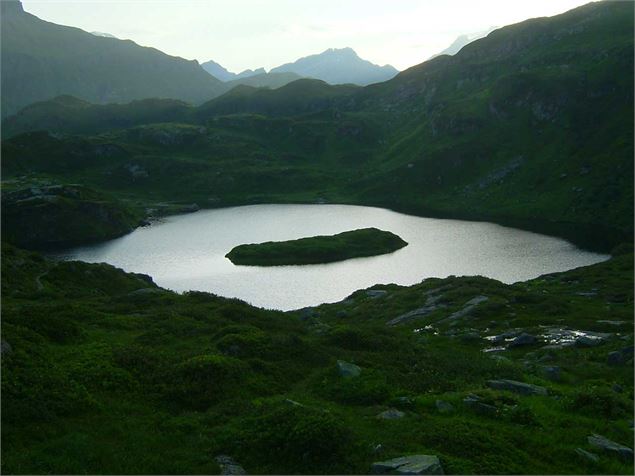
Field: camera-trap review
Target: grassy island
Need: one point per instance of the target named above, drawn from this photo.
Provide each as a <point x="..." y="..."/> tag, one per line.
<point x="318" y="249"/>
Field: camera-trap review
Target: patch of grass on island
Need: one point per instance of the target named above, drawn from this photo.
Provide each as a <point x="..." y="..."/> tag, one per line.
<point x="318" y="249"/>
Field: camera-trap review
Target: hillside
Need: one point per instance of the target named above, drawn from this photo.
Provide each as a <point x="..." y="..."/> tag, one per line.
<point x="123" y="377"/>
<point x="530" y="126"/>
<point x="42" y="60"/>
<point x="338" y="66"/>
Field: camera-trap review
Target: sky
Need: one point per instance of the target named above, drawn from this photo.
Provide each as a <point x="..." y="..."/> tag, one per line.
<point x="242" y="34"/>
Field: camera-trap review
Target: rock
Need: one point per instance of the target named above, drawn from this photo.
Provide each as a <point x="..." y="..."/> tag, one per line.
<point x="375" y="293"/>
<point x="474" y="402"/>
<point x="347" y="369"/>
<point x="617" y="388"/>
<point x="588" y="341"/>
<point x="503" y="337"/>
<point x="404" y="401"/>
<point x="522" y="340"/>
<point x="229" y="466"/>
<point x="592" y="457"/>
<point x="429" y="307"/>
<point x="609" y="446"/>
<point x="391" y="414"/>
<point x="444" y="407"/>
<point x="615" y="358"/>
<point x="517" y="387"/>
<point x="468" y="307"/>
<point x="5" y="347"/>
<point x="552" y="373"/>
<point x="415" y="464"/>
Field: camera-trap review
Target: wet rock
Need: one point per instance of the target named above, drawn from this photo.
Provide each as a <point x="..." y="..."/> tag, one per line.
<point x="348" y="370"/>
<point x="229" y="466"/>
<point x="415" y="464"/>
<point x="587" y="455"/>
<point x="612" y="447"/>
<point x="391" y="414"/>
<point x="517" y="387"/>
<point x="522" y="340"/>
<point x="444" y="407"/>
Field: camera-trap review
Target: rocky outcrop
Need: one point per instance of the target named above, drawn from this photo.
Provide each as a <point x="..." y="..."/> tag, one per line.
<point x="517" y="387"/>
<point x="612" y="447"/>
<point x="348" y="370"/>
<point x="415" y="464"/>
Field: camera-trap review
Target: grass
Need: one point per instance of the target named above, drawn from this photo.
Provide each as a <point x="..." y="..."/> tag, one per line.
<point x="109" y="374"/>
<point x="317" y="249"/>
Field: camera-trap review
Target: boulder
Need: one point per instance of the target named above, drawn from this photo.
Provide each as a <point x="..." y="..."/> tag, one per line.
<point x="415" y="464"/>
<point x="588" y="341"/>
<point x="522" y="340"/>
<point x="587" y="455"/>
<point x="5" y="347"/>
<point x="348" y="370"/>
<point x="615" y="358"/>
<point x="609" y="446"/>
<point x="444" y="407"/>
<point x="552" y="373"/>
<point x="391" y="414"/>
<point x="229" y="466"/>
<point x="517" y="387"/>
<point x="474" y="402"/>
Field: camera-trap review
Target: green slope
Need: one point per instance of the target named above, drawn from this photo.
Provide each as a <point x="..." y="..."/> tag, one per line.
<point x="531" y="126"/>
<point x="104" y="373"/>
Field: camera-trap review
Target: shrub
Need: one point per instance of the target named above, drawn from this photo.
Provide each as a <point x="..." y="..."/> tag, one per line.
<point x="203" y="380"/>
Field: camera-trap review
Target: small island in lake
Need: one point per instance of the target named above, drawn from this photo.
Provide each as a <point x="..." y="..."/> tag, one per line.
<point x="318" y="249"/>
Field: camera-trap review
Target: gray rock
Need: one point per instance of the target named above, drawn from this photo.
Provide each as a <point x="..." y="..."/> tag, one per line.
<point x="615" y="358"/>
<point x="415" y="464"/>
<point x="229" y="466"/>
<point x="444" y="407"/>
<point x="552" y="373"/>
<point x="348" y="370"/>
<point x="5" y="347"/>
<point x="617" y="388"/>
<point x="609" y="446"/>
<point x="588" y="341"/>
<point x="522" y="340"/>
<point x="474" y="402"/>
<point x="375" y="293"/>
<point x="592" y="457"/>
<point x="391" y="414"/>
<point x="429" y="307"/>
<point x="517" y="387"/>
<point x="468" y="307"/>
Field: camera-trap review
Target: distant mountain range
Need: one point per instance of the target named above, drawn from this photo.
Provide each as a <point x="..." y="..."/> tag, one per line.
<point x="339" y="66"/>
<point x="42" y="60"/>
<point x="463" y="40"/>
<point x="334" y="66"/>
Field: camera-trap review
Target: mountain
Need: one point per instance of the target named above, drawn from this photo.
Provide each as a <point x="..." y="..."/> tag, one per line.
<point x="42" y="60"/>
<point x="463" y="40"/>
<point x="338" y="66"/>
<point x="219" y="72"/>
<point x="105" y="35"/>
<point x="216" y="70"/>
<point x="531" y="126"/>
<point x="266" y="80"/>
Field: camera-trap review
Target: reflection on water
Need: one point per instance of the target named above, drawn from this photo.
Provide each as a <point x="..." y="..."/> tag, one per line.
<point x="187" y="252"/>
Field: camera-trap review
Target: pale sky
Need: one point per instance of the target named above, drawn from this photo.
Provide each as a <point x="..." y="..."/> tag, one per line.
<point x="241" y="34"/>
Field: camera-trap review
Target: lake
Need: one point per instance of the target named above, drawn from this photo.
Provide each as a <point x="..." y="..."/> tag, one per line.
<point x="187" y="252"/>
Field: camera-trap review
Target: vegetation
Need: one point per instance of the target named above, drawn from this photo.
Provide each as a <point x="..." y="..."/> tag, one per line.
<point x="501" y="132"/>
<point x="103" y="372"/>
<point x="318" y="249"/>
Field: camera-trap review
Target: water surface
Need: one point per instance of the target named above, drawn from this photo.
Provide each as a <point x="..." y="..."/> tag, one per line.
<point x="187" y="252"/>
